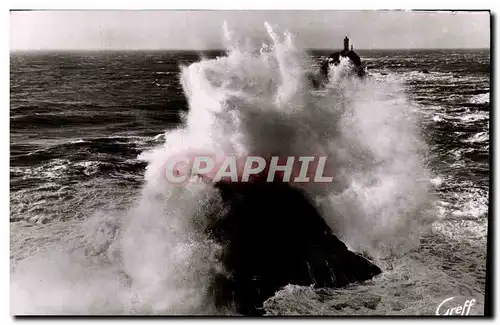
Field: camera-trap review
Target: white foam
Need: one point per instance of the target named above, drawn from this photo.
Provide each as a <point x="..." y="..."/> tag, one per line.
<point x="437" y="118"/>
<point x="480" y="98"/>
<point x="478" y="137"/>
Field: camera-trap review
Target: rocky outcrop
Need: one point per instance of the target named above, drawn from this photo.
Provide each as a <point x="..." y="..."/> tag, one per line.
<point x="274" y="236"/>
<point x="334" y="59"/>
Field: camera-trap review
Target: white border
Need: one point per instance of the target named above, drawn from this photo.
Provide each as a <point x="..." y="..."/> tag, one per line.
<point x="193" y="4"/>
<point x="248" y="4"/>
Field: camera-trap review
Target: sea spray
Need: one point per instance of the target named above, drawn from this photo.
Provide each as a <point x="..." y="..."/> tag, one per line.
<point x="251" y="101"/>
<point x="260" y="103"/>
<point x="166" y="253"/>
<point x="385" y="199"/>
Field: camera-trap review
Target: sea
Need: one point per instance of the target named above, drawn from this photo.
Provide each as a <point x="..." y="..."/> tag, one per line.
<point x="89" y="131"/>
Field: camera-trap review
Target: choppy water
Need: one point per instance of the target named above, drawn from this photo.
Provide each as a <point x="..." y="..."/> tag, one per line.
<point x="79" y="121"/>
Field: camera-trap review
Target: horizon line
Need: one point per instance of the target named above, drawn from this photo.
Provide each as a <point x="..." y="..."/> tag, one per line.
<point x="222" y="50"/>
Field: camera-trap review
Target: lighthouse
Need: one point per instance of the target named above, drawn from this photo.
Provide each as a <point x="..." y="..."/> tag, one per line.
<point x="346" y="44"/>
<point x="334" y="59"/>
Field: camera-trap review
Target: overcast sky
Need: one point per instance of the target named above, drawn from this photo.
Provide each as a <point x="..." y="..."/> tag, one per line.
<point x="78" y="30"/>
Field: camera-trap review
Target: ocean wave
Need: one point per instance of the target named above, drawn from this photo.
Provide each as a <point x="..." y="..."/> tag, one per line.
<point x="68" y="118"/>
<point x="479" y="137"/>
<point x="69" y="170"/>
<point x="111" y="148"/>
<point x="480" y="98"/>
<point x="473" y="117"/>
<point x="165" y="73"/>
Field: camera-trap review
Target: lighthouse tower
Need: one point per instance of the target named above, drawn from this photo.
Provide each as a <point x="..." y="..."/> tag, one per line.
<point x="346" y="44"/>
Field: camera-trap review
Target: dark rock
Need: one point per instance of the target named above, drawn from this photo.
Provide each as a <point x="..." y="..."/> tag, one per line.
<point x="334" y="59"/>
<point x="273" y="236"/>
<point x="425" y="71"/>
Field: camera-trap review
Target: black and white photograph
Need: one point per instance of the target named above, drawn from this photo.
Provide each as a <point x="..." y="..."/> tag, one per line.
<point x="250" y="162"/>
